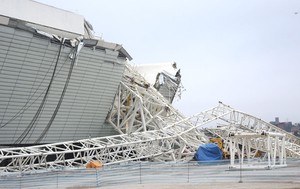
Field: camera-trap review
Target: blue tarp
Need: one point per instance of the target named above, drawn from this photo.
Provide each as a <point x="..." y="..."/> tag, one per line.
<point x="207" y="152"/>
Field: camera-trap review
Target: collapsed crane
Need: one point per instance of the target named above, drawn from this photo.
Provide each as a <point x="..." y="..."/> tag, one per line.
<point x="150" y="129"/>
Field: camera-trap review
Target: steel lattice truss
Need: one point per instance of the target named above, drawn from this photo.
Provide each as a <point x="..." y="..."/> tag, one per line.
<point x="239" y="122"/>
<point x="150" y="128"/>
<point x="241" y="146"/>
<point x="139" y="106"/>
<point x="175" y="142"/>
<point x="151" y="111"/>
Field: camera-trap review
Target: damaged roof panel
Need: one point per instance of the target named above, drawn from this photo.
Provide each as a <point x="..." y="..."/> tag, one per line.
<point x="22" y="10"/>
<point x="26" y="71"/>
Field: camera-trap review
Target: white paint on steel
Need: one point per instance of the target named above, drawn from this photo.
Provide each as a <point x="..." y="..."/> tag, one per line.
<point x="150" y="128"/>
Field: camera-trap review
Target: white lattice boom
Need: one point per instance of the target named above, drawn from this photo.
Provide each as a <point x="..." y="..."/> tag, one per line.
<point x="237" y="122"/>
<point x="149" y="127"/>
<point x="241" y="145"/>
<point x="175" y="142"/>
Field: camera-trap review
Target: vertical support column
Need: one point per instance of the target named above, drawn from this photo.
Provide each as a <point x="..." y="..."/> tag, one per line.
<point x="249" y="150"/>
<point x="242" y="152"/>
<point x="20" y="164"/>
<point x="131" y="118"/>
<point x="143" y="116"/>
<point x="281" y="151"/>
<point x="232" y="155"/>
<point x="284" y="151"/>
<point x="269" y="151"/>
<point x="275" y="150"/>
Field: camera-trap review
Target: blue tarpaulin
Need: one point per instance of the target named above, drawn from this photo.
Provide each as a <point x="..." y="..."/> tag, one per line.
<point x="207" y="152"/>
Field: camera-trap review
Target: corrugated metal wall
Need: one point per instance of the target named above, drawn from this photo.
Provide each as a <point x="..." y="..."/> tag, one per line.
<point x="168" y="89"/>
<point x="26" y="66"/>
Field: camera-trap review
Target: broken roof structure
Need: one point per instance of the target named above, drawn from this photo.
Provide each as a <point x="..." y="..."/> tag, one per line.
<point x="53" y="21"/>
<point x="72" y="98"/>
<point x="165" y="77"/>
<point x="58" y="81"/>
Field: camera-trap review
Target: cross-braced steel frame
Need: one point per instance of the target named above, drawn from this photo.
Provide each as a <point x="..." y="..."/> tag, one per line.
<point x="237" y="122"/>
<point x="139" y="106"/>
<point x="175" y="142"/>
<point x="150" y="128"/>
<point x="241" y="147"/>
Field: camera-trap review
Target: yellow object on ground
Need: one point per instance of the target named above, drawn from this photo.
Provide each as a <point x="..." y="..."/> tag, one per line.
<point x="219" y="142"/>
<point x="94" y="164"/>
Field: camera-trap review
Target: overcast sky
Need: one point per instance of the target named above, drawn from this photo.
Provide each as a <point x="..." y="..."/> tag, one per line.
<point x="243" y="53"/>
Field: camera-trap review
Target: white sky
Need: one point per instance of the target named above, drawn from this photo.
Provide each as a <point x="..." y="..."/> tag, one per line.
<point x="243" y="53"/>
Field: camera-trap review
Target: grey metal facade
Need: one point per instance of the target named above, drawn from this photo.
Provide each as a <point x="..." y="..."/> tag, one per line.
<point x="27" y="62"/>
<point x="169" y="86"/>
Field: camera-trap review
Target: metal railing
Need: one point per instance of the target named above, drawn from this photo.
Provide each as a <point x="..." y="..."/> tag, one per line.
<point x="148" y="172"/>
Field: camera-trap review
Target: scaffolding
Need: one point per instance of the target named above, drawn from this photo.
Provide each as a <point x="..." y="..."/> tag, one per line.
<point x="241" y="147"/>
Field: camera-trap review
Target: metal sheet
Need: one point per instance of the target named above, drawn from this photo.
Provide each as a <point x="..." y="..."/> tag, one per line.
<point x="24" y="10"/>
<point x="26" y="68"/>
